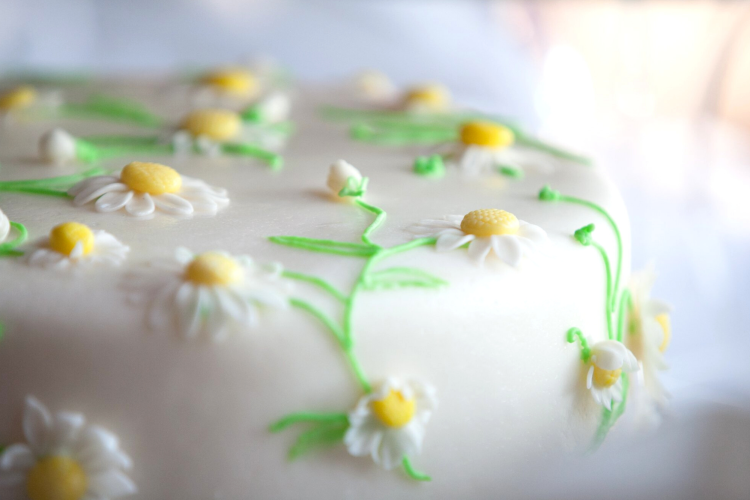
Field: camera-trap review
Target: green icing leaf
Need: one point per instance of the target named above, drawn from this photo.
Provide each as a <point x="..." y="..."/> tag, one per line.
<point x="326" y="246"/>
<point x="401" y="277"/>
<point x="322" y="435"/>
<point x="429" y="166"/>
<point x="549" y="194"/>
<point x="354" y="187"/>
<point x="583" y="235"/>
<point x="508" y="171"/>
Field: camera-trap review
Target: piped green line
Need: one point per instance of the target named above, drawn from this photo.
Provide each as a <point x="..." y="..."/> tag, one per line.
<point x="609" y="418"/>
<point x="380" y="216"/>
<point x="625" y="304"/>
<point x="8" y="247"/>
<point x="539" y="145"/>
<point x="243" y="149"/>
<point x="609" y="302"/>
<point x="320" y="283"/>
<point x="409" y="469"/>
<point x="328" y="322"/>
<point x="307" y="417"/>
<point x="571" y="336"/>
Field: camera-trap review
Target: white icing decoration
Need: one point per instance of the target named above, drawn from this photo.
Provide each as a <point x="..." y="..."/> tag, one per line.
<point x="647" y="338"/>
<point x="609" y="355"/>
<point x="96" y="450"/>
<point x="275" y="107"/>
<point x="510" y="248"/>
<point x="374" y="85"/>
<point x="475" y="160"/>
<point x="216" y="311"/>
<point x="107" y="250"/>
<point x="194" y="197"/>
<point x="57" y="146"/>
<point x="388" y="446"/>
<point x="338" y="175"/>
<point x="4" y="226"/>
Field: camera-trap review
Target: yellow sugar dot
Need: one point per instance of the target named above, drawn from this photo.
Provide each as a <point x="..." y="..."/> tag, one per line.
<point x="606" y="378"/>
<point x="212" y="268"/>
<point x="239" y="82"/>
<point x="394" y="410"/>
<point x="56" y="478"/>
<point x="17" y="98"/>
<point x="217" y="124"/>
<point x="666" y="325"/>
<point x="64" y="238"/>
<point x="486" y="134"/>
<point x="151" y="178"/>
<point x="431" y="97"/>
<point x="489" y="222"/>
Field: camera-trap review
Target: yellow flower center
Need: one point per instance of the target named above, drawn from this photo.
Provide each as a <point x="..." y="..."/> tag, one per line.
<point x="665" y="324"/>
<point x="606" y="378"/>
<point x="18" y="98"/>
<point x="151" y="178"/>
<point x="489" y="222"/>
<point x="486" y="134"/>
<point x="217" y="124"/>
<point x="394" y="410"/>
<point x="56" y="478"/>
<point x="239" y="82"/>
<point x="64" y="238"/>
<point x="213" y="269"/>
<point x="431" y="97"/>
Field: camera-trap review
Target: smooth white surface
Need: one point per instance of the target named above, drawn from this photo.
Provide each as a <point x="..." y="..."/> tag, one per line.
<point x="194" y="415"/>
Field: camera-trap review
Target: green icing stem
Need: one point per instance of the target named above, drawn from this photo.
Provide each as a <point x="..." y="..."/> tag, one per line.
<point x="47" y="186"/>
<point x="625" y="303"/>
<point x="609" y="418"/>
<point x="409" y="469"/>
<point x="325" y="246"/>
<point x="380" y="216"/>
<point x="8" y="248"/>
<point x="320" y="283"/>
<point x="307" y="417"/>
<point x="611" y="221"/>
<point x="344" y="343"/>
<point x="512" y="172"/>
<point x="112" y="109"/>
<point x="365" y="133"/>
<point x="609" y="302"/>
<point x="574" y="333"/>
<point x="243" y="149"/>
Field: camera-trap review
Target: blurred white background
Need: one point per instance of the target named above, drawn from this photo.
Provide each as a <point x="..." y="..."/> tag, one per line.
<point x="658" y="91"/>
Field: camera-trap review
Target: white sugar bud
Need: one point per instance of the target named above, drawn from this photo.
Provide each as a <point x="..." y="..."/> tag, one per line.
<point x="4" y="226"/>
<point x="57" y="146"/>
<point x="339" y="173"/>
<point x="275" y="108"/>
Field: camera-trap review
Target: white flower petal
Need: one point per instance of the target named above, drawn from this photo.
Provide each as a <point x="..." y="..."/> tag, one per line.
<point x="609" y="354"/>
<point x="112" y="484"/>
<point x="37" y="423"/>
<point x="183" y="255"/>
<point x="98" y="181"/>
<point x="535" y="233"/>
<point x="188" y="300"/>
<point x="173" y="204"/>
<point x="66" y="427"/>
<point x="95" y="191"/>
<point x="140" y="205"/>
<point x="17" y="458"/>
<point x="479" y="248"/>
<point x="507" y="248"/>
<point x="113" y="201"/>
<point x="451" y="239"/>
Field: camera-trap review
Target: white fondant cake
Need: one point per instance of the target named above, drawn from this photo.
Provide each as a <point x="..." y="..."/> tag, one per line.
<point x="466" y="337"/>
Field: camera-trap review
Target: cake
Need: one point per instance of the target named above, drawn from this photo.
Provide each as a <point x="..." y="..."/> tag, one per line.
<point x="393" y="298"/>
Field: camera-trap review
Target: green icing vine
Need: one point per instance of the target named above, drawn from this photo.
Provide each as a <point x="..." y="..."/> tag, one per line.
<point x="429" y="166"/>
<point x="8" y="249"/>
<point x="53" y="186"/>
<point x="329" y="428"/>
<point x="110" y="108"/>
<point x="616" y="301"/>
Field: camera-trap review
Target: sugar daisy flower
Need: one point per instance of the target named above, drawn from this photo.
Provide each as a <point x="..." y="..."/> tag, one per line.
<point x="210" y="131"/>
<point x="63" y="459"/>
<point x="25" y="98"/>
<point x="389" y="423"/>
<point x="650" y="332"/>
<point x="486" y="230"/>
<point x="485" y="146"/>
<point x="428" y="98"/>
<point x="212" y="293"/>
<point x="141" y="188"/>
<point x="72" y="244"/>
<point x="609" y="358"/>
